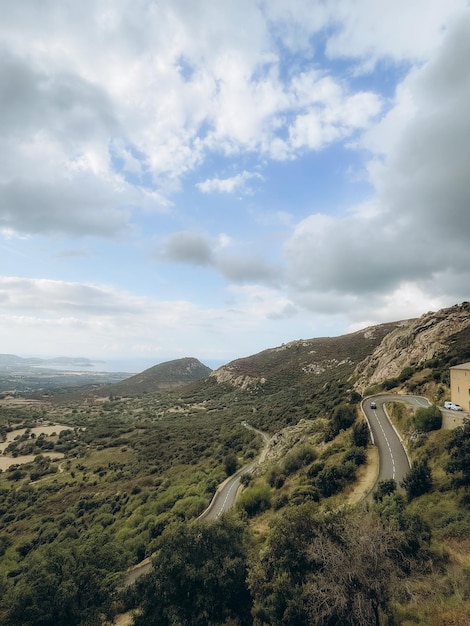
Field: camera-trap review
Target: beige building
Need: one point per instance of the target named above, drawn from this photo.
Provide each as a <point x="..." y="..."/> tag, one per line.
<point x="460" y="385"/>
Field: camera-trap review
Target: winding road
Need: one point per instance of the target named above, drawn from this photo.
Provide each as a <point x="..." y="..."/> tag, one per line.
<point x="393" y="459"/>
<point x="222" y="501"/>
<point x="226" y="494"/>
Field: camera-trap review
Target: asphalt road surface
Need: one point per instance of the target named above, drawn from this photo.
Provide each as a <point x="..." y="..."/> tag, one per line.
<point x="393" y="460"/>
<point x="226" y="494"/>
<point x="223" y="499"/>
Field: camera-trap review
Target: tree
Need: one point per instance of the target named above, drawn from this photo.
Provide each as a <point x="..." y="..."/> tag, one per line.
<point x="65" y="585"/>
<point x="326" y="569"/>
<point x="198" y="577"/>
<point x="459" y="455"/>
<point x="255" y="499"/>
<point x="384" y="488"/>
<point x="231" y="464"/>
<point x="357" y="558"/>
<point x="276" y="577"/>
<point x="418" y="480"/>
<point x="343" y="417"/>
<point x="427" y="419"/>
<point x="360" y="434"/>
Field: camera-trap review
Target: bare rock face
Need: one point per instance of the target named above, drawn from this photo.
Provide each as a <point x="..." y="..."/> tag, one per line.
<point x="412" y="343"/>
<point x="232" y="376"/>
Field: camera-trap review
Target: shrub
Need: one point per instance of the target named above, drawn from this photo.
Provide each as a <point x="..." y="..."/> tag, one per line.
<point x="297" y="458"/>
<point x="230" y="464"/>
<point x="384" y="488"/>
<point x="418" y="480"/>
<point x="356" y="455"/>
<point x="329" y="481"/>
<point x="459" y="455"/>
<point x="360" y="434"/>
<point x="304" y="493"/>
<point x="255" y="499"/>
<point x="427" y="419"/>
<point x="390" y="383"/>
<point x="344" y="416"/>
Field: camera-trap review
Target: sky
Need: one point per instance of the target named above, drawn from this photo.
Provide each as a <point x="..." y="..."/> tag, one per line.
<point x="211" y="179"/>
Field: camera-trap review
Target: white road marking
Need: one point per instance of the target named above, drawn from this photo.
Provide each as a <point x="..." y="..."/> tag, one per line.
<point x="226" y="498"/>
<point x="388" y="444"/>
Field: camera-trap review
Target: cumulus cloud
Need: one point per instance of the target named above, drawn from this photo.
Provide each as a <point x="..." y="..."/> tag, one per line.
<point x="396" y="30"/>
<point x="60" y="297"/>
<point x="414" y="231"/>
<point x="200" y="250"/>
<point x="106" y="102"/>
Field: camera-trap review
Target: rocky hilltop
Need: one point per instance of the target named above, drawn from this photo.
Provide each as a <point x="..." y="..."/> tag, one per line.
<point x="412" y="343"/>
<point x="364" y="358"/>
<point x="311" y="362"/>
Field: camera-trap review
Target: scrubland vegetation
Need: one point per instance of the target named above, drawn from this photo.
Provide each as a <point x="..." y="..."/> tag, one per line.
<point x="297" y="550"/>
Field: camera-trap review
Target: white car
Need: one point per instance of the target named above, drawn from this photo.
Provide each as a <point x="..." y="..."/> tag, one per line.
<point x="452" y="406"/>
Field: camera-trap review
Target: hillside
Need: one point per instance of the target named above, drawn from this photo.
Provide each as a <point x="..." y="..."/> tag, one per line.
<point x="113" y="480"/>
<point x="434" y="338"/>
<point x="304" y="378"/>
<point x="168" y="375"/>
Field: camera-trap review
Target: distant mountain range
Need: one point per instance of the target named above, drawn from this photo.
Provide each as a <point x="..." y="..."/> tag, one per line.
<point x="11" y="361"/>
<point x="34" y="376"/>
<point x="300" y="368"/>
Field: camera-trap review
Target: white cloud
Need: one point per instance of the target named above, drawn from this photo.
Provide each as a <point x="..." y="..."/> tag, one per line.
<point x="228" y="185"/>
<point x="412" y="235"/>
<point x="100" y="322"/>
<point x="99" y="97"/>
<point x="112" y="110"/>
<point x="400" y="30"/>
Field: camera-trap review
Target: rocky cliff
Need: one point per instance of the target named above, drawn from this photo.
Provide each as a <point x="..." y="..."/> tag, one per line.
<point x="411" y="344"/>
<point x="364" y="358"/>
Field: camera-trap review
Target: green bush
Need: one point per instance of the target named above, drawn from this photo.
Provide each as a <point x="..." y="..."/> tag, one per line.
<point x="304" y="493"/>
<point x="385" y="488"/>
<point x="459" y="455"/>
<point x="390" y="383"/>
<point x="297" y="458"/>
<point x="255" y="499"/>
<point x="427" y="419"/>
<point x="418" y="480"/>
<point x="356" y="455"/>
<point x="360" y="434"/>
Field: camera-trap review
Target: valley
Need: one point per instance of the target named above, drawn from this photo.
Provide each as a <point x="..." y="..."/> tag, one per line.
<point x="134" y="472"/>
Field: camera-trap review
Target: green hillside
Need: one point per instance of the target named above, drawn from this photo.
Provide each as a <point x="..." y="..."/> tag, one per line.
<point x="168" y="375"/>
<point x="134" y="469"/>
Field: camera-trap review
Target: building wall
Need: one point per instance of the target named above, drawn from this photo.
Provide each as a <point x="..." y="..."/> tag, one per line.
<point x="460" y="385"/>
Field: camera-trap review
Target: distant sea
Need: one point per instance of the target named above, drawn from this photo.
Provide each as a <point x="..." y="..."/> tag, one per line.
<point x="129" y="366"/>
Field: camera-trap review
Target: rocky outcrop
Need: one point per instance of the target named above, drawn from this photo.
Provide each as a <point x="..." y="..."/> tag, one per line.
<point x="411" y="344"/>
<point x="232" y="376"/>
<point x="284" y="440"/>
